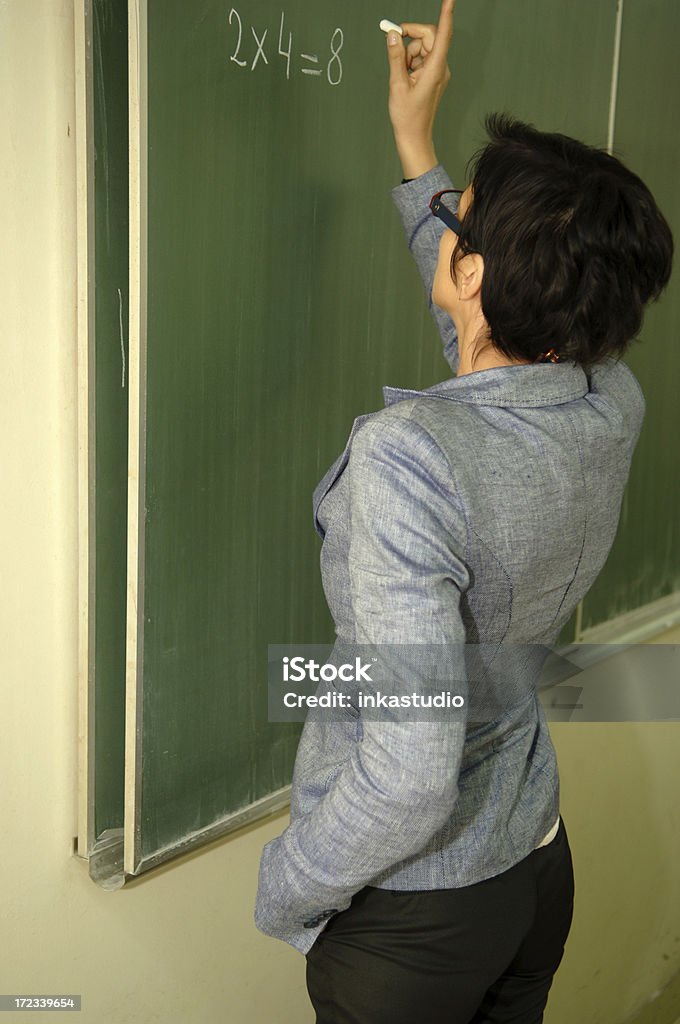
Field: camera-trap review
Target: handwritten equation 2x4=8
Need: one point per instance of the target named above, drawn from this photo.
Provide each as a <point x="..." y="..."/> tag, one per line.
<point x="333" y="68"/>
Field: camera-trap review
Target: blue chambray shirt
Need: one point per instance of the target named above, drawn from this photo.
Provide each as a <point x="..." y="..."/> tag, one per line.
<point x="478" y="511"/>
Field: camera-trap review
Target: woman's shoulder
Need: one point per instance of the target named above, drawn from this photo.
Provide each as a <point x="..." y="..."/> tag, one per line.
<point x="398" y="461"/>
<point x="613" y="382"/>
<point x="424" y="421"/>
<point x="398" y="424"/>
<point x="411" y="423"/>
<point x="409" y="438"/>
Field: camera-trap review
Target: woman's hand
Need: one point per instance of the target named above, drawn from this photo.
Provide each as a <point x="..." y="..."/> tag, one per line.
<point x="419" y="74"/>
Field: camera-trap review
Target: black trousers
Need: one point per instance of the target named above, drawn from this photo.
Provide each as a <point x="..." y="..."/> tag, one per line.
<point x="482" y="954"/>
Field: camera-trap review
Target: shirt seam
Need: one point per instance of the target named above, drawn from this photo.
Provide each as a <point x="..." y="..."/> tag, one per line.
<point x="469" y="529"/>
<point x="585" y="524"/>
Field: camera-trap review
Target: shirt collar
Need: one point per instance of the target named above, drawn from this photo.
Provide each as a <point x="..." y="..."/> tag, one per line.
<point x="524" y="385"/>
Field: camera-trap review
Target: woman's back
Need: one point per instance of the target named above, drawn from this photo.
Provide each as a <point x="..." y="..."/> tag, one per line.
<point x="521" y="470"/>
<point x="535" y="460"/>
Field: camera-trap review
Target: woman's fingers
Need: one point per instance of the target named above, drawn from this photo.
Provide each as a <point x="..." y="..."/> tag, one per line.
<point x="418" y="76"/>
<point x="415" y="48"/>
<point x="396" y="54"/>
<point x="444" y="28"/>
<point x="426" y="36"/>
<point x="423" y="35"/>
<point x="430" y="43"/>
<point x="415" y="54"/>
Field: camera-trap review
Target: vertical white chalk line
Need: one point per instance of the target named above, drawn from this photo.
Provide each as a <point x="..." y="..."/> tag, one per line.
<point x="578" y="625"/>
<point x="122" y="337"/>
<point x="615" y="76"/>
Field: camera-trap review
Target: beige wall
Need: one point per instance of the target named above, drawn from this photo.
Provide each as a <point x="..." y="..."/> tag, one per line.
<point x="619" y="802"/>
<point x="179" y="945"/>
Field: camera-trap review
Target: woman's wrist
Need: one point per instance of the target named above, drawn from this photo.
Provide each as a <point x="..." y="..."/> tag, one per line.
<point x="416" y="158"/>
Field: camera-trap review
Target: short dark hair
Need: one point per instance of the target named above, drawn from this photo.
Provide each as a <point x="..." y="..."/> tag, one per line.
<point x="574" y="245"/>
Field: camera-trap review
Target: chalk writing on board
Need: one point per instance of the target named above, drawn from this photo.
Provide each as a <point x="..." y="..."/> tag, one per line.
<point x="247" y="54"/>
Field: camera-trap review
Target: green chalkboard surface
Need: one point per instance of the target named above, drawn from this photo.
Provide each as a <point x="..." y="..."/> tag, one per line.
<point x="108" y="32"/>
<point x="277" y="299"/>
<point x="644" y="564"/>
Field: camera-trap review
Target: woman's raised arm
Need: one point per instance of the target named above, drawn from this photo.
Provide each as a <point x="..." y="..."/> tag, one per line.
<point x="419" y="73"/>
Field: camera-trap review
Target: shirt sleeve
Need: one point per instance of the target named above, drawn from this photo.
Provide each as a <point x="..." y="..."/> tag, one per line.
<point x="400" y="784"/>
<point x="423" y="233"/>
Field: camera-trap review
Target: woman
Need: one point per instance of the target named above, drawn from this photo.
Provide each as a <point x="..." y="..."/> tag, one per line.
<point x="426" y="872"/>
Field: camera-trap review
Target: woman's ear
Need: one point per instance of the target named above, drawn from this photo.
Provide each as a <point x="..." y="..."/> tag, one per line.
<point x="469" y="275"/>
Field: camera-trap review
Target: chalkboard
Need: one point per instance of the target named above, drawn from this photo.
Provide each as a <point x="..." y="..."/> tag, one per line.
<point x="644" y="564"/>
<point x="274" y="299"/>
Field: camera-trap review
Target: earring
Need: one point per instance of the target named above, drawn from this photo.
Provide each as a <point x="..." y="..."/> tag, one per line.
<point x="551" y="356"/>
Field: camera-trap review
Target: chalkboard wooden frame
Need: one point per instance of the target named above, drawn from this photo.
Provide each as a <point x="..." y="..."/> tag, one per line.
<point x="101" y="76"/>
<point x="86" y="335"/>
<point x="136" y="448"/>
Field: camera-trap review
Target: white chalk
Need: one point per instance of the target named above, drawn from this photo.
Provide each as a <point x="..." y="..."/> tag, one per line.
<point x="389" y="26"/>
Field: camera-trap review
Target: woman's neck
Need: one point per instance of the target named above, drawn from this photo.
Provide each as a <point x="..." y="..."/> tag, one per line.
<point x="476" y="354"/>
